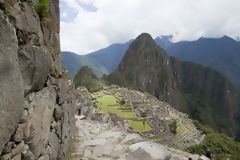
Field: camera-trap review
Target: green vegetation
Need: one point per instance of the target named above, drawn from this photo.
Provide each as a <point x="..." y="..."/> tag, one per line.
<point x="158" y="139"/>
<point x="85" y="77"/>
<point x="122" y="102"/>
<point x="140" y="126"/>
<point x="43" y="8"/>
<point x="220" y="145"/>
<point x="94" y="85"/>
<point x="111" y="103"/>
<point x="6" y="8"/>
<point x="56" y="73"/>
<point x="57" y="52"/>
<point x="108" y="103"/>
<point x="173" y="127"/>
<point x="108" y="100"/>
<point x="30" y="3"/>
<point x="54" y="70"/>
<point x="200" y="91"/>
<point x="143" y="114"/>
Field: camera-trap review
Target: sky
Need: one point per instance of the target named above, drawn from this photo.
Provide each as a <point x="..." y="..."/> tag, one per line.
<point x="89" y="25"/>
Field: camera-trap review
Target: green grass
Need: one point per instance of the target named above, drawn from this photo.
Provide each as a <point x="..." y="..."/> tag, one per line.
<point x="157" y="139"/>
<point x="140" y="126"/>
<point x="113" y="109"/>
<point x="108" y="103"/>
<point x="221" y="145"/>
<point x="108" y="100"/>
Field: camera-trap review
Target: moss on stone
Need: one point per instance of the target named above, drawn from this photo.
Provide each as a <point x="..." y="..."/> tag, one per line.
<point x="30" y="3"/>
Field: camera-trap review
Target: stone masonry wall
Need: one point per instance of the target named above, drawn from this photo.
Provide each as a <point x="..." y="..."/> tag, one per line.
<point x="36" y="94"/>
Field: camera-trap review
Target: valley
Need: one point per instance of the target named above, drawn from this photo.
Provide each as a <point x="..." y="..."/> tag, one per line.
<point x="145" y="99"/>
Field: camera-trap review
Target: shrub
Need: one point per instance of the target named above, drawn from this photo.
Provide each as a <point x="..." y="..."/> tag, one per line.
<point x="122" y="102"/>
<point x="173" y="127"/>
<point x="221" y="146"/>
<point x="143" y="114"/>
<point x="43" y="8"/>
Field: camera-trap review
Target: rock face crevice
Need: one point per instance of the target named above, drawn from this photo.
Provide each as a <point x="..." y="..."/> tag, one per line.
<point x="36" y="94"/>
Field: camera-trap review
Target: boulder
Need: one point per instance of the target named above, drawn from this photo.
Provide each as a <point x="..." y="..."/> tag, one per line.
<point x="24" y="116"/>
<point x="35" y="65"/>
<point x="27" y="155"/>
<point x="11" y="90"/>
<point x="28" y="20"/>
<point x="44" y="157"/>
<point x="27" y="24"/>
<point x="139" y="154"/>
<point x="58" y="129"/>
<point x="55" y="145"/>
<point x="17" y="157"/>
<point x="43" y="104"/>
<point x="19" y="148"/>
<point x="57" y="113"/>
<point x="8" y="147"/>
<point x="19" y="134"/>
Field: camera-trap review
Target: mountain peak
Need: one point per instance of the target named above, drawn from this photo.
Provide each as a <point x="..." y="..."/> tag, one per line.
<point x="144" y="37"/>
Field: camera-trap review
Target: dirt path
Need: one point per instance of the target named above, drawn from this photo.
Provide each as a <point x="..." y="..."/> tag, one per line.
<point x="98" y="141"/>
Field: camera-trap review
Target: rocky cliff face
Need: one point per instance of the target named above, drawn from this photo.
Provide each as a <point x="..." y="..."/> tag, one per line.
<point x="202" y="92"/>
<point x="36" y="93"/>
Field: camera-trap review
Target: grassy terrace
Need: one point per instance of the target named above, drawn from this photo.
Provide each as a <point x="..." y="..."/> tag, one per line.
<point x="111" y="103"/>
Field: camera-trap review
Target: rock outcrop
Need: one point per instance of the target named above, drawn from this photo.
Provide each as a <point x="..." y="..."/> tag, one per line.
<point x="36" y="94"/>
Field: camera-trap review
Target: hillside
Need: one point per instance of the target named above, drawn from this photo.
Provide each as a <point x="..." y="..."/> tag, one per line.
<point x="103" y="61"/>
<point x="222" y="54"/>
<point x="85" y="77"/>
<point x="202" y="92"/>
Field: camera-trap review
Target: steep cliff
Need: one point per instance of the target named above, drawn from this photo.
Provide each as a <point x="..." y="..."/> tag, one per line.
<point x="202" y="92"/>
<point x="36" y="93"/>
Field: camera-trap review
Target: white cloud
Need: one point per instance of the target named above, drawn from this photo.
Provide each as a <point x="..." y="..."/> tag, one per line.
<point x="86" y="1"/>
<point x="64" y="14"/>
<point x="122" y="20"/>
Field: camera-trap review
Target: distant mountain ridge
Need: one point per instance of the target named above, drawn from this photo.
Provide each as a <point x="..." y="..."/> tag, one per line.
<point x="103" y="61"/>
<point x="222" y="54"/>
<point x="200" y="91"/>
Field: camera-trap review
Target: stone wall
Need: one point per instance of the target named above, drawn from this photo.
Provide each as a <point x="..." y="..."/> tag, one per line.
<point x="36" y="94"/>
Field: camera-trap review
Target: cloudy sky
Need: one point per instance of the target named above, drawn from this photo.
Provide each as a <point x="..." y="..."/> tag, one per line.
<point x="88" y="25"/>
